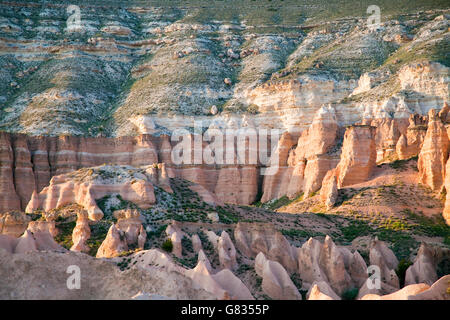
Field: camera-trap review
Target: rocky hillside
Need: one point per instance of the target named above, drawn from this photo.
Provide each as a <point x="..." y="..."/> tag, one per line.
<point x="128" y="67"/>
<point x="355" y="174"/>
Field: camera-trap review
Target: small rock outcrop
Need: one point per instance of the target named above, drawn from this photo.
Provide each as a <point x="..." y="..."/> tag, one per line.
<point x="13" y="223"/>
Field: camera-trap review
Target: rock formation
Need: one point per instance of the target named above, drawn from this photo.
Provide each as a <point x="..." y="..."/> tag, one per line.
<point x="13" y="223"/>
<point x="410" y="144"/>
<point x="423" y="270"/>
<point x="114" y="243"/>
<point x="438" y="291"/>
<point x="434" y="153"/>
<point x="85" y="186"/>
<point x="402" y="294"/>
<point x="252" y="238"/>
<point x="81" y="233"/>
<point x="321" y="291"/>
<point x="329" y="190"/>
<point x="380" y="255"/>
<point x="327" y="263"/>
<point x="227" y="252"/>
<point x="358" y="155"/>
<point x="446" y="211"/>
<point x="276" y="282"/>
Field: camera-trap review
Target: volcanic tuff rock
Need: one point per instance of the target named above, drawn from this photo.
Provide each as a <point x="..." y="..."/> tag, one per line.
<point x="85" y="186"/>
<point x="358" y="155"/>
<point x="434" y="153"/>
<point x="438" y="291"/>
<point x="410" y="144"/>
<point x="402" y="294"/>
<point x="101" y="279"/>
<point x="253" y="238"/>
<point x="329" y="190"/>
<point x="81" y="233"/>
<point x="175" y="234"/>
<point x="276" y="282"/>
<point x="446" y="212"/>
<point x="13" y="223"/>
<point x="114" y="243"/>
<point x="383" y="257"/>
<point x="423" y="270"/>
<point x="337" y="267"/>
<point x="321" y="291"/>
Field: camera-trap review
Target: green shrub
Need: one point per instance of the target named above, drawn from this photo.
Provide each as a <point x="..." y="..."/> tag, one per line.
<point x="403" y="265"/>
<point x="167" y="245"/>
<point x="350" y="294"/>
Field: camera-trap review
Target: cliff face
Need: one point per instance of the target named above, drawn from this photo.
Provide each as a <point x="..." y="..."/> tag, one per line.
<point x="29" y="163"/>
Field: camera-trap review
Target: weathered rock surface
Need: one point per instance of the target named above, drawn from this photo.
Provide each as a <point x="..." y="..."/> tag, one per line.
<point x="434" y="153"/>
<point x="329" y="190"/>
<point x="276" y="282"/>
<point x="113" y="245"/>
<point x="13" y="223"/>
<point x="85" y="186"/>
<point x="81" y="233"/>
<point x="446" y="211"/>
<point x="383" y="257"/>
<point x="438" y="291"/>
<point x="321" y="291"/>
<point x="402" y="294"/>
<point x="227" y="252"/>
<point x="358" y="156"/>
<point x="253" y="238"/>
<point x="175" y="234"/>
<point x="327" y="263"/>
<point x="423" y="270"/>
<point x="100" y="279"/>
<point x="410" y="144"/>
